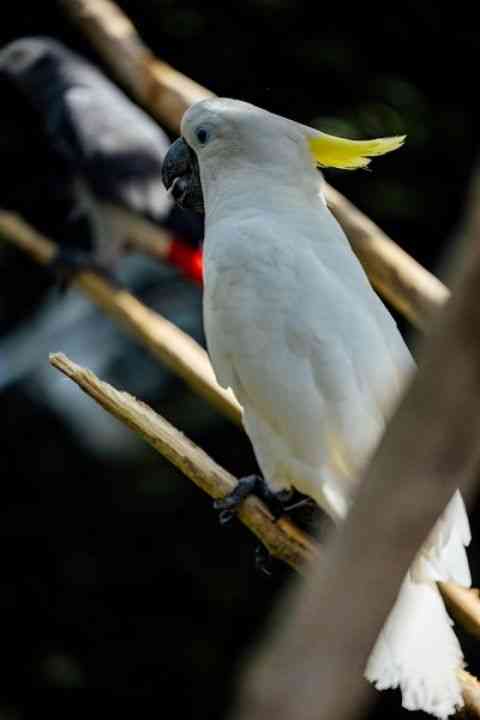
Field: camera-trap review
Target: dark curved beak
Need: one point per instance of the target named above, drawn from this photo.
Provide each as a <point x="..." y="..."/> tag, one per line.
<point x="181" y="176"/>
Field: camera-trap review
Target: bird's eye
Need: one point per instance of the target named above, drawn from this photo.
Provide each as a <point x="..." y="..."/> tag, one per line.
<point x="202" y="135"/>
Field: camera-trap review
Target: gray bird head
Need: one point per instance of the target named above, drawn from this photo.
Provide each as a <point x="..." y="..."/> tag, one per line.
<point x="20" y="55"/>
<point x="28" y="62"/>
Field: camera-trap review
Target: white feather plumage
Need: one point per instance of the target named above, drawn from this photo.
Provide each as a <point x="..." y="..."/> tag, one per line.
<point x="417" y="649"/>
<point x="295" y="329"/>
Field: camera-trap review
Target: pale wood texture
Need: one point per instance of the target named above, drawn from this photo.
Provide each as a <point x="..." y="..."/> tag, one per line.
<point x="174" y="348"/>
<point x="155" y="84"/>
<point x="400" y="279"/>
<point x="471" y="694"/>
<point x="167" y="93"/>
<point x="464" y="606"/>
<point x="282" y="538"/>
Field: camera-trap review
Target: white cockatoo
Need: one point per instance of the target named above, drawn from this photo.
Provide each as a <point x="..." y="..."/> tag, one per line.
<point x="295" y="329"/>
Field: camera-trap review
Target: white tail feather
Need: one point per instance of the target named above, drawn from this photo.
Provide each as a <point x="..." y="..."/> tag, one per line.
<point x="418" y="652"/>
<point x="443" y="555"/>
<point x="417" y="649"/>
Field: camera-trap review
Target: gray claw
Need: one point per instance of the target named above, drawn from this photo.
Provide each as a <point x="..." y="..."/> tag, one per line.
<point x="225" y="517"/>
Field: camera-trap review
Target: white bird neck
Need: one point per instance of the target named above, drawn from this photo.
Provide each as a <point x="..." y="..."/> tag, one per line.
<point x="227" y="193"/>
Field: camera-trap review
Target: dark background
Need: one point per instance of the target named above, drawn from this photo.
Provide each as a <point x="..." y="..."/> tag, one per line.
<point x="114" y="573"/>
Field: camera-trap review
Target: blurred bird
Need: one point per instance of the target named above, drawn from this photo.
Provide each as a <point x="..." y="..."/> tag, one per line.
<point x="100" y="161"/>
<point x="295" y="329"/>
<point x="72" y="324"/>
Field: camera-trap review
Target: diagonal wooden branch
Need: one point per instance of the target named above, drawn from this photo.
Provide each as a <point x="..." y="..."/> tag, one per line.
<point x="282" y="538"/>
<point x="161" y="89"/>
<point x="183" y="356"/>
<point x="166" y="93"/>
<point x="400" y="279"/>
<point x="174" y="348"/>
<point x="464" y="605"/>
<point x="471" y="694"/>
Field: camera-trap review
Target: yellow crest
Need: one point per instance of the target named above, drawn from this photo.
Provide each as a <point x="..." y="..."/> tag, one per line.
<point x="336" y="152"/>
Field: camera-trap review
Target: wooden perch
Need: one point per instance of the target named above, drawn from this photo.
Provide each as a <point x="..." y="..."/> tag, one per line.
<point x="166" y="93"/>
<point x="282" y="538"/>
<point x="174" y="348"/>
<point x="464" y="606"/>
<point x="471" y="694"/>
<point x="155" y="84"/>
<point x="408" y="286"/>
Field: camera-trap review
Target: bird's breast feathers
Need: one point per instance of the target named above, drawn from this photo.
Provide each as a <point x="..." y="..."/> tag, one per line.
<point x="272" y="290"/>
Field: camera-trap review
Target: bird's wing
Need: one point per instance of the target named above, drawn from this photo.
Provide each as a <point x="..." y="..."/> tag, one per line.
<point x="354" y="345"/>
<point x="296" y="344"/>
<point x="339" y="259"/>
<point x="119" y="149"/>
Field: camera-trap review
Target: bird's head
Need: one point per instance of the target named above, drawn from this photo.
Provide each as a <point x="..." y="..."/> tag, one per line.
<point x="33" y="65"/>
<point x="27" y="59"/>
<point x="222" y="136"/>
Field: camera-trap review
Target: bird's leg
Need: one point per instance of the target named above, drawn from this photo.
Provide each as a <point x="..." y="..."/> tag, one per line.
<point x="254" y="485"/>
<point x="279" y="503"/>
<point x="251" y="485"/>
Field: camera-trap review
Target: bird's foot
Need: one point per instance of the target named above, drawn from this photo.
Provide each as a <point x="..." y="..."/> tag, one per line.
<point x="66" y="264"/>
<point x="277" y="502"/>
<point x="252" y="485"/>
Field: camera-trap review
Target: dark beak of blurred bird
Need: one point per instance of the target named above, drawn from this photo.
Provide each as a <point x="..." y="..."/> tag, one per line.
<point x="181" y="176"/>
